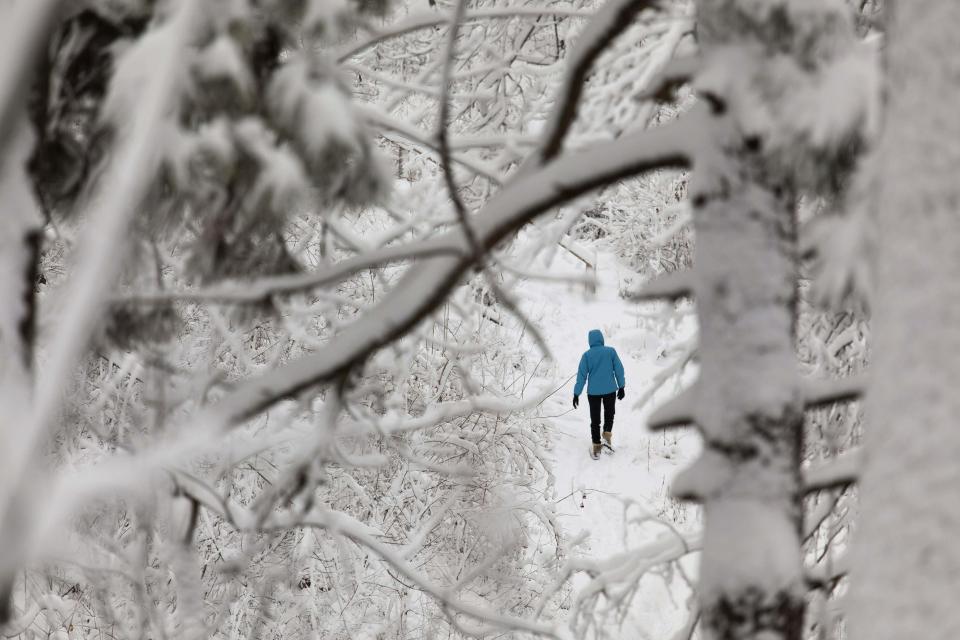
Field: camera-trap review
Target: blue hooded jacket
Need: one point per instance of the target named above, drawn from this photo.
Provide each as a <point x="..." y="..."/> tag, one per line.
<point x="602" y="366"/>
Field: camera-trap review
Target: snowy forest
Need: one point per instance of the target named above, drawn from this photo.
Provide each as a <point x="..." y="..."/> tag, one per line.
<point x="297" y="294"/>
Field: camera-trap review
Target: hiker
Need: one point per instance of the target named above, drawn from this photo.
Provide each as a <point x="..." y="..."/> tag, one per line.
<point x="600" y="366"/>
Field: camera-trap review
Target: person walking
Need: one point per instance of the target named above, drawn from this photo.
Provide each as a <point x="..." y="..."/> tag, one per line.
<point x="601" y="370"/>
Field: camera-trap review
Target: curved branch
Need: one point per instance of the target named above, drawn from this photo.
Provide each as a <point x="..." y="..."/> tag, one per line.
<point x="264" y="288"/>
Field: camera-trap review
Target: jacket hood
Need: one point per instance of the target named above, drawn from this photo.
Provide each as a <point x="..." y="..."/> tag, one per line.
<point x="595" y="338"/>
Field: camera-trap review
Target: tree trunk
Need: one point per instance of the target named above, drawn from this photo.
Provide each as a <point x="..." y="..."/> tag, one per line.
<point x="748" y="408"/>
<point x="905" y="556"/>
<point x="747" y="402"/>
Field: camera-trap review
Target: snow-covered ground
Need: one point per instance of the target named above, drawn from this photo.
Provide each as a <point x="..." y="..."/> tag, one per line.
<point x="598" y="497"/>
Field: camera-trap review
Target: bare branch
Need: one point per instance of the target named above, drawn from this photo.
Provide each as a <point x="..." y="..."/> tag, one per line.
<point x="342" y="524"/>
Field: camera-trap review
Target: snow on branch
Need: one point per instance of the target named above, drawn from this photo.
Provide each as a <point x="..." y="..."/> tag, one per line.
<point x="838" y="472"/>
<point x="676" y="366"/>
<point x="613" y="19"/>
<point x="425" y="285"/>
<point x="676" y="412"/>
<point x="674" y="74"/>
<point x="342" y="524"/>
<point x="262" y="289"/>
<point x="377" y="117"/>
<point x="818" y="392"/>
<point x="393" y="424"/>
<point x="665" y="286"/>
<point x="615" y="578"/>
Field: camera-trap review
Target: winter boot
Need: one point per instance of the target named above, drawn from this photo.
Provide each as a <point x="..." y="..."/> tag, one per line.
<point x="608" y="436"/>
<point x="595" y="451"/>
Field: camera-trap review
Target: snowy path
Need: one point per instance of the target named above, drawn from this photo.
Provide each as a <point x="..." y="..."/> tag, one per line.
<point x="591" y="493"/>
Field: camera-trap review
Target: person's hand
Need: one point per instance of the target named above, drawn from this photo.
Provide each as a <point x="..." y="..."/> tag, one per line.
<point x="576" y="401"/>
<point x="621" y="393"/>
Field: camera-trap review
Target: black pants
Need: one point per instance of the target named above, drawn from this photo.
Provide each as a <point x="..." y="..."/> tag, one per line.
<point x="609" y="408"/>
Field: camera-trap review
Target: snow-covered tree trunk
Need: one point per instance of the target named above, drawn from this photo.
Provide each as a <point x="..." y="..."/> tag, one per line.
<point x="750" y="415"/>
<point x="748" y="403"/>
<point x="905" y="566"/>
<point x="748" y="407"/>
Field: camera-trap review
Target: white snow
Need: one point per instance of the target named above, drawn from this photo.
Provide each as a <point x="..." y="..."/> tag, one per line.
<point x="310" y="107"/>
<point x="139" y="67"/>
<point x="223" y="58"/>
<point x="605" y="500"/>
<point x="739" y="557"/>
<point x="840" y="102"/>
<point x="905" y="560"/>
<point x="282" y="180"/>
